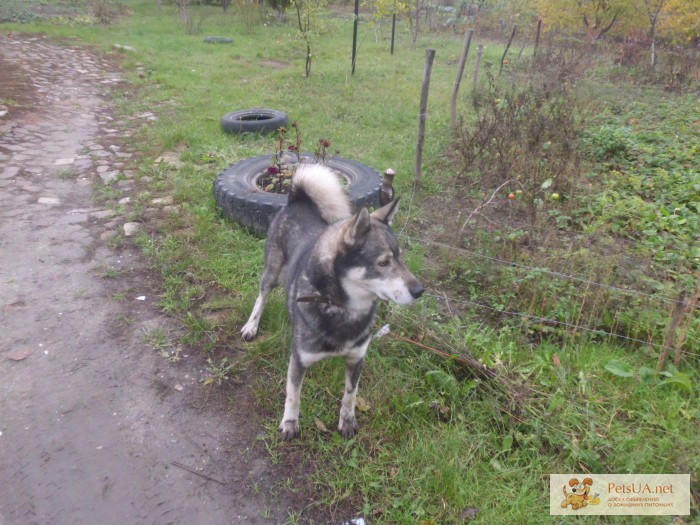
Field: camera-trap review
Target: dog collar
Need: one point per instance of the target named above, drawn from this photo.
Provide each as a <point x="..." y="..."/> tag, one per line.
<point x="319" y="299"/>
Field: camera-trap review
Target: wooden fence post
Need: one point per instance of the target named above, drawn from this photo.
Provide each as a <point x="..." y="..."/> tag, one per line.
<point x="476" y="67"/>
<point x="460" y="72"/>
<point x="692" y="305"/>
<point x="510" y="41"/>
<point x="429" y="57"/>
<point x="683" y="311"/>
<point x="354" y="36"/>
<point x="537" y="36"/>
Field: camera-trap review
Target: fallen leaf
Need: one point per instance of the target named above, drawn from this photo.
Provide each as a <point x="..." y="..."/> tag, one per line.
<point x="362" y="405"/>
<point x="556" y="361"/>
<point x="319" y="425"/>
<point x="469" y="513"/>
<point x="19" y="355"/>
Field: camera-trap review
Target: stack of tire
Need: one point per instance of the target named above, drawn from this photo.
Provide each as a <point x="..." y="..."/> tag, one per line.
<point x="242" y="200"/>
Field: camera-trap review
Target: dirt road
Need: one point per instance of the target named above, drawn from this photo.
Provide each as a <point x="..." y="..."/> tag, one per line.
<point x="95" y="427"/>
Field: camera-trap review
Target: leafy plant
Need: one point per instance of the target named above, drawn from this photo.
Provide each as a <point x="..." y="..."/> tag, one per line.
<point x="219" y="373"/>
<point x="286" y="159"/>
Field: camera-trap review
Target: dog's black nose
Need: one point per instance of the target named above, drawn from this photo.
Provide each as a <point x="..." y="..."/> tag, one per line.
<point x="416" y="290"/>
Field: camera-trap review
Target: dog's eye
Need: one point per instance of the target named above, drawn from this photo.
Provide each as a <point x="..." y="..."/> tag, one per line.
<point x="384" y="263"/>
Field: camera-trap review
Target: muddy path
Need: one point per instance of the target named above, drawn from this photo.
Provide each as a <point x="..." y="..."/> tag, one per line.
<point x="95" y="426"/>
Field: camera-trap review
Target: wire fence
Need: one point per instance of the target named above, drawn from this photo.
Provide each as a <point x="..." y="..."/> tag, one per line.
<point x="559" y="275"/>
<point x="575" y="327"/>
<point x="556" y="322"/>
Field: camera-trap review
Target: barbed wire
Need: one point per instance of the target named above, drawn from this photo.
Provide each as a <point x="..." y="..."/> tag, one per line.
<point x="408" y="212"/>
<point x="553" y="321"/>
<point x="545" y="270"/>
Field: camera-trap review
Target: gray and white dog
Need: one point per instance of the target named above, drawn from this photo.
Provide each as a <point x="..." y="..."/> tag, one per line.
<point x="336" y="266"/>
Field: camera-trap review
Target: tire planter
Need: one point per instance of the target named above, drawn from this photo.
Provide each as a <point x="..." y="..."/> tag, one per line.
<point x="240" y="199"/>
<point x="254" y="121"/>
<point x="218" y="40"/>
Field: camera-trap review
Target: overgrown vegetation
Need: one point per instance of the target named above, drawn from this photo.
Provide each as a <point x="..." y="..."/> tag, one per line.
<point x="525" y="138"/>
<point x="529" y="294"/>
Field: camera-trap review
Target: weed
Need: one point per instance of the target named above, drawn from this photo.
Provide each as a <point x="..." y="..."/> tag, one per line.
<point x="116" y="241"/>
<point x="220" y="373"/>
<point x="106" y="11"/>
<point x="124" y="319"/>
<point x="158" y="338"/>
<point x="109" y="272"/>
<point x="81" y="293"/>
<point x="17" y="11"/>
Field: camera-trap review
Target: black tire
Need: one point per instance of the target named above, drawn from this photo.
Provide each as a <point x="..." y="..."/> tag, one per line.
<point x="241" y="200"/>
<point x="254" y="121"/>
<point x="218" y="40"/>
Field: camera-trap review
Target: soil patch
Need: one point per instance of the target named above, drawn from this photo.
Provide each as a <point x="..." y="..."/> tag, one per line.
<point x="97" y="426"/>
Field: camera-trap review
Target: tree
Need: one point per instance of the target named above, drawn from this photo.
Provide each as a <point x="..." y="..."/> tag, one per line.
<point x="307" y="14"/>
<point x="280" y="8"/>
<point x="652" y="9"/>
<point x="595" y="17"/>
<point x="680" y="21"/>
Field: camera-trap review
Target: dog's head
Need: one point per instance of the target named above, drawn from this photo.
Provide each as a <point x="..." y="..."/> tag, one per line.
<point x="370" y="264"/>
<point x="582" y="488"/>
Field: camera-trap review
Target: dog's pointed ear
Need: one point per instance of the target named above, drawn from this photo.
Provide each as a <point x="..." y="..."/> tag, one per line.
<point x="356" y="228"/>
<point x="386" y="212"/>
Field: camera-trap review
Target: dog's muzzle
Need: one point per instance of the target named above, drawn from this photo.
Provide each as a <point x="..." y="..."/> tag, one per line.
<point x="416" y="290"/>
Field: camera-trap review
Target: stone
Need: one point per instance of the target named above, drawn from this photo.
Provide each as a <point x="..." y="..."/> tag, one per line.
<point x="131" y="228"/>
<point x="163" y="201"/>
<point x="102" y="214"/>
<point x="122" y="47"/>
<point x="109" y="176"/>
<point x="49" y="200"/>
<point x="171" y="158"/>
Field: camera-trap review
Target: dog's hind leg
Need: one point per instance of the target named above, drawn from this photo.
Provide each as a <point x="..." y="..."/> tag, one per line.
<point x="289" y="426"/>
<point x="274" y="263"/>
<point x="347" y="426"/>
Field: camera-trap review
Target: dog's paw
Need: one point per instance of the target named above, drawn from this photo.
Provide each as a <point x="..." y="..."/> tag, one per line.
<point x="290" y="430"/>
<point x="348" y="427"/>
<point x="249" y="331"/>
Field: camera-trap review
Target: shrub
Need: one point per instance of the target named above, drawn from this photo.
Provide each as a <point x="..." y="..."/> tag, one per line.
<point x="106" y="11"/>
<point x="525" y="134"/>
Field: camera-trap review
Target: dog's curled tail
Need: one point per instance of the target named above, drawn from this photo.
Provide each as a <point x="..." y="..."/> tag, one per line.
<point x="323" y="188"/>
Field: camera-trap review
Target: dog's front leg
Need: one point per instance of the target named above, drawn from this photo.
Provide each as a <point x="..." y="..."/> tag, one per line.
<point x="274" y="264"/>
<point x="289" y="427"/>
<point x="347" y="426"/>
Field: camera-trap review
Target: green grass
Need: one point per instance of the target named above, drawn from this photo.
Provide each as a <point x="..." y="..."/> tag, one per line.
<point x="435" y="443"/>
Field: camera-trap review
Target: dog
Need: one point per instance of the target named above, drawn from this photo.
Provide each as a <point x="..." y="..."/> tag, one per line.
<point x="579" y="493"/>
<point x="336" y="265"/>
